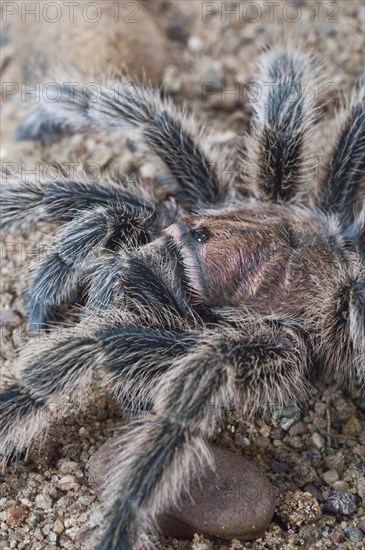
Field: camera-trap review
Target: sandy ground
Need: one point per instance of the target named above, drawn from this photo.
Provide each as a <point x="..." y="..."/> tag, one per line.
<point x="296" y="449"/>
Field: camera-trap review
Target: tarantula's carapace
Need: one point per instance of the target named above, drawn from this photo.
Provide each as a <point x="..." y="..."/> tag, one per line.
<point x="213" y="296"/>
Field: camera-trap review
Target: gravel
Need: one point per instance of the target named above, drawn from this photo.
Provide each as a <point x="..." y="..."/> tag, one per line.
<point x="314" y="456"/>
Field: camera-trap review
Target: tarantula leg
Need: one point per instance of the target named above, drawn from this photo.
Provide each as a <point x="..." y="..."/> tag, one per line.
<point x="46" y="381"/>
<point x="338" y="319"/>
<point x="279" y="163"/>
<point x="105" y="289"/>
<point x="146" y="281"/>
<point x="143" y="281"/>
<point x="31" y="201"/>
<point x="346" y="165"/>
<point x="93" y="231"/>
<point x="360" y="232"/>
<point x="355" y="233"/>
<point x="21" y="419"/>
<point x="56" y="370"/>
<point x="169" y="133"/>
<point x="156" y="460"/>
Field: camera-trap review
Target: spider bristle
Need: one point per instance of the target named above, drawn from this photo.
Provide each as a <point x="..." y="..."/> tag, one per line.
<point x="344" y="170"/>
<point x="26" y="408"/>
<point x="336" y="313"/>
<point x="31" y="199"/>
<point x="170" y="134"/>
<point x="77" y="246"/>
<point x="22" y="418"/>
<point x="280" y="154"/>
<point x="21" y="201"/>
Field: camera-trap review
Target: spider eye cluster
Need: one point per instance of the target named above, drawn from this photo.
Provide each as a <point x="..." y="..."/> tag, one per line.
<point x="201" y="235"/>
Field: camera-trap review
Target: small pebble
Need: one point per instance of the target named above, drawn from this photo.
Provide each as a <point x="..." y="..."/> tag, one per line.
<point x="304" y="473"/>
<point x="335" y="462"/>
<point x="355" y="535"/>
<point x="68" y="467"/>
<point x="337" y="537"/>
<point x="242" y="441"/>
<point x="53" y="493"/>
<point x="43" y="501"/>
<point x="15" y="515"/>
<point x="86" y="500"/>
<point x="344" y="503"/>
<point x="277" y="433"/>
<point x="289" y="416"/>
<point x="330" y="520"/>
<point x="318" y="441"/>
<point x="361" y="488"/>
<point x="299" y="428"/>
<point x="361" y="525"/>
<point x="66" y="483"/>
<point x="58" y="527"/>
<point x="262" y="442"/>
<point x="51" y="537"/>
<point x="330" y="476"/>
<point x="352" y="428"/>
<point x="308" y="533"/>
<point x="341" y="485"/>
<point x="286" y="423"/>
<point x="46" y="528"/>
<point x="313" y="490"/>
<point x="72" y="532"/>
<point x="279" y="467"/>
<point x="299" y="508"/>
<point x="69" y="522"/>
<point x="38" y="534"/>
<point x="34" y="518"/>
<point x="84" y="433"/>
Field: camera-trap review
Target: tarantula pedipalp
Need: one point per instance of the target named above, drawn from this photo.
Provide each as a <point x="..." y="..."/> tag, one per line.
<point x="230" y="302"/>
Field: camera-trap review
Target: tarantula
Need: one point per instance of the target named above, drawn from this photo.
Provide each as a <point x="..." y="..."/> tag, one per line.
<point x="228" y="299"/>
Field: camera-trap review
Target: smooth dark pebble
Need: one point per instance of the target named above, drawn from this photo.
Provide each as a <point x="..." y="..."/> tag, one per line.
<point x="238" y="501"/>
<point x="279" y="467"/>
<point x="313" y="490"/>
